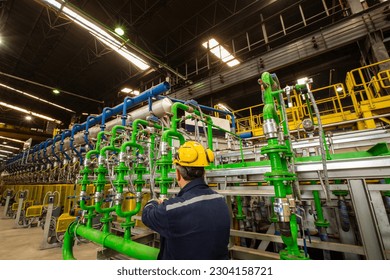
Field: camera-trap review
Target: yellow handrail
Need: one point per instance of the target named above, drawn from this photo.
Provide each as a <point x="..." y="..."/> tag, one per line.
<point x="336" y="99"/>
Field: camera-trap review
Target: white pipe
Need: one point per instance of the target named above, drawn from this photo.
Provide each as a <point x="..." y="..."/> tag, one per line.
<point x="159" y="109"/>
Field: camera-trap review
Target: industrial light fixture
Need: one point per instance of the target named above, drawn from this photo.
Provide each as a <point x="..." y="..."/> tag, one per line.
<point x="6" y="152"/>
<point x="127" y="90"/>
<point x="98" y="32"/>
<point x="119" y="30"/>
<point x="220" y="52"/>
<point x="29" y="112"/>
<point x="10" y="139"/>
<point x="35" y="97"/>
<point x="302" y="81"/>
<point x="29" y="118"/>
<point x="55" y="91"/>
<point x="223" y="107"/>
<point x="9" y="147"/>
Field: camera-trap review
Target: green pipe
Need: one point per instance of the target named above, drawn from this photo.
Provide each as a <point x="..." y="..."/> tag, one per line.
<point x="293" y="252"/>
<point x="175" y="109"/>
<point x="274" y="218"/>
<point x="107" y="240"/>
<point x="279" y="177"/>
<point x="165" y="163"/>
<point x="320" y="221"/>
<point x="127" y="214"/>
<point x="114" y="132"/>
<point x="100" y="184"/>
<point x="167" y="134"/>
<point x="240" y="215"/>
<point x="135" y="129"/>
<point x="85" y="181"/>
<point x="120" y="182"/>
<point x="89" y="208"/>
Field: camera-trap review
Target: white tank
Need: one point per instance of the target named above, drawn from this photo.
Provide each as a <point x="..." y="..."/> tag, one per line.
<point x="159" y="109"/>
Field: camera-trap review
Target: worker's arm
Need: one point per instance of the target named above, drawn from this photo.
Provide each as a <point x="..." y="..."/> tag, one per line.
<point x="154" y="216"/>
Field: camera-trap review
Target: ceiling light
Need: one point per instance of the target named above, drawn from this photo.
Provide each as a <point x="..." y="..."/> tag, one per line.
<point x="6" y="152"/>
<point x="29" y="112"/>
<point x="10" y="139"/>
<point x="29" y="118"/>
<point x="223" y="107"/>
<point x="55" y="91"/>
<point x="141" y="64"/>
<point x="119" y="31"/>
<point x="9" y="147"/>
<point x="35" y="97"/>
<point x="220" y="52"/>
<point x="126" y="90"/>
<point x="302" y="81"/>
<point x="99" y="33"/>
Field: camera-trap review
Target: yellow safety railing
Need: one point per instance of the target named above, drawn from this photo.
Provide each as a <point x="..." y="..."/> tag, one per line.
<point x="251" y="122"/>
<point x="336" y="101"/>
<point x="363" y="85"/>
<point x="333" y="100"/>
<point x="384" y="78"/>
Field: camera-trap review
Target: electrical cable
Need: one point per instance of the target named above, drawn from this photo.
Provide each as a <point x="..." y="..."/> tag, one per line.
<point x="322" y="144"/>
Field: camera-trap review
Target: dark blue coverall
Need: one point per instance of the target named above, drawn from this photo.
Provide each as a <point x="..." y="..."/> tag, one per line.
<point x="194" y="225"/>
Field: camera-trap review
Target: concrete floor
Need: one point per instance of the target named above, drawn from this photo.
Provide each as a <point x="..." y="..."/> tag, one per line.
<point x="18" y="243"/>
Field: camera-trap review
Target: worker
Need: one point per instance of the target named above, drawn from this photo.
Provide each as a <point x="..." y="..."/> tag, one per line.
<point x="194" y="225"/>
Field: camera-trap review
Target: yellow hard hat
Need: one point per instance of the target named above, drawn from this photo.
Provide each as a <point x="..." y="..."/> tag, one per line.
<point x="193" y="154"/>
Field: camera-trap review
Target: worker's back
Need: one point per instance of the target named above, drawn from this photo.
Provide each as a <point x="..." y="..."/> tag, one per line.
<point x="193" y="225"/>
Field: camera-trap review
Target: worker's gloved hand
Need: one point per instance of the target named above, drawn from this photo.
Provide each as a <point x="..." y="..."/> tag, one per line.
<point x="158" y="200"/>
<point x="161" y="200"/>
<point x="151" y="202"/>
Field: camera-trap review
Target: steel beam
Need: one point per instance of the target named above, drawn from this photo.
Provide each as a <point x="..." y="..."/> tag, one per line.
<point x="335" y="36"/>
<point x="367" y="223"/>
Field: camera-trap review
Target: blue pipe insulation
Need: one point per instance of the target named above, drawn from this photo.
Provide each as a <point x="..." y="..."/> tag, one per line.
<point x="207" y="108"/>
<point x="76" y="128"/>
<point x="64" y="134"/>
<point x="107" y="112"/>
<point x="344" y="217"/>
<point x="35" y="148"/>
<point x="89" y="120"/>
<point x="54" y="145"/>
<point x="45" y="149"/>
<point x="144" y="96"/>
<point x="246" y="135"/>
<point x="39" y="152"/>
